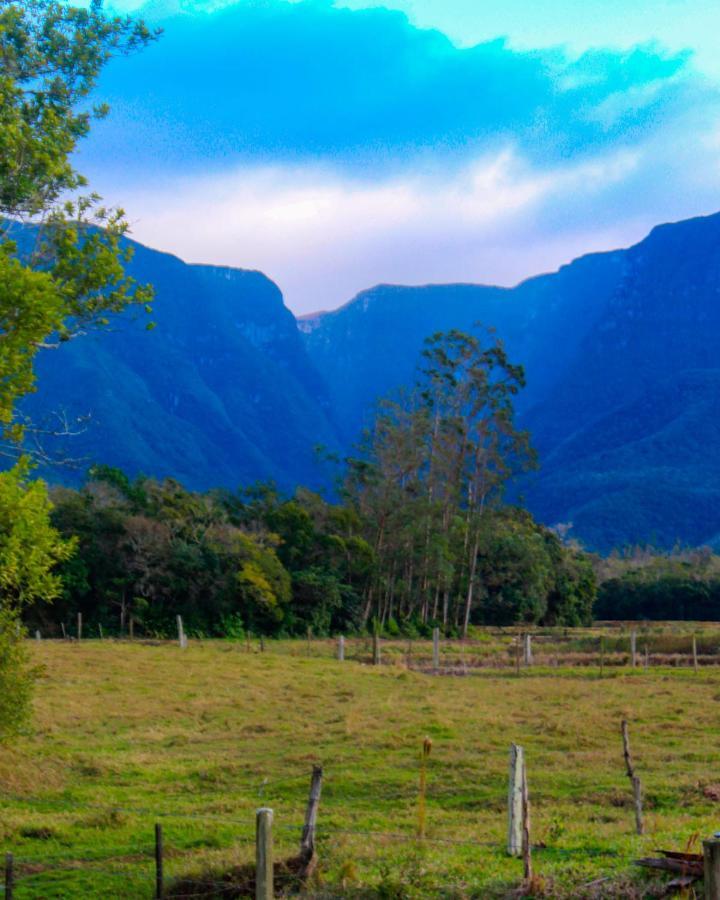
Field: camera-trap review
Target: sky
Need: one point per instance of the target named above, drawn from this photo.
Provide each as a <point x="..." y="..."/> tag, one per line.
<point x="337" y="145"/>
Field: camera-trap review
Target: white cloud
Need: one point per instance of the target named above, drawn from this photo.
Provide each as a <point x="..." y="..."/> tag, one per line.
<point x="323" y="236"/>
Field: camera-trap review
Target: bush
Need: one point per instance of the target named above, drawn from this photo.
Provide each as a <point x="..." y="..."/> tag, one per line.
<point x="17" y="675"/>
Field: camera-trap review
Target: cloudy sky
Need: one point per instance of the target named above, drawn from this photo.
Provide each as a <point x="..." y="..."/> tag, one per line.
<point x="335" y="145"/>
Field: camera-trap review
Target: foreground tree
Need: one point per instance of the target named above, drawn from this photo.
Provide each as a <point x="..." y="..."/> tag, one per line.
<point x="30" y="549"/>
<point x="62" y="268"/>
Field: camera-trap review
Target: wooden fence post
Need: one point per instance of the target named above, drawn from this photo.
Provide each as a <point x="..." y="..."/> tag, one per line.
<point x="602" y="655"/>
<point x="436" y="648"/>
<point x="131" y="634"/>
<point x="517" y="654"/>
<point x="182" y="640"/>
<point x="526" y="845"/>
<point x="307" y="840"/>
<point x="100" y="631"/>
<point x="711" y="860"/>
<point x="158" y="862"/>
<point x="341" y="648"/>
<point x="309" y="641"/>
<point x="264" y="889"/>
<point x="422" y="795"/>
<point x="634" y="780"/>
<point x="376" y="648"/>
<point x="38" y="636"/>
<point x="79" y="626"/>
<point x="527" y="653"/>
<point x="694" y="652"/>
<point x="633" y="648"/>
<point x="9" y="876"/>
<point x="515" y="801"/>
<point x="64" y="633"/>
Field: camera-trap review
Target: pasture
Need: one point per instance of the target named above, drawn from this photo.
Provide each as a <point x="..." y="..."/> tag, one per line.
<point x="129" y="734"/>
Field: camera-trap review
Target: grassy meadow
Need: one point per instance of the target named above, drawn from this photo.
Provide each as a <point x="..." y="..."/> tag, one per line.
<point x="129" y="734"/>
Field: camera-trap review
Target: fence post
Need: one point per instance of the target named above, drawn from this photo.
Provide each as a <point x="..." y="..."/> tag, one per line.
<point x="711" y="860"/>
<point x="100" y="631"/>
<point x="158" y="862"/>
<point x="517" y="654"/>
<point x="376" y="648"/>
<point x="9" y="876"/>
<point x="633" y="648"/>
<point x="64" y="634"/>
<point x="436" y="648"/>
<point x="131" y="634"/>
<point x="694" y="652"/>
<point x="526" y="845"/>
<point x="634" y="780"/>
<point x="263" y="854"/>
<point x="602" y="655"/>
<point x="515" y="801"/>
<point x="182" y="640"/>
<point x="307" y="841"/>
<point x="528" y="657"/>
<point x="38" y="636"/>
<point x="79" y="626"/>
<point x="341" y="648"/>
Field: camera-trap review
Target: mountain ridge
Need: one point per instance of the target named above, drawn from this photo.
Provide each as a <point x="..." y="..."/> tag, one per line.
<point x="619" y="348"/>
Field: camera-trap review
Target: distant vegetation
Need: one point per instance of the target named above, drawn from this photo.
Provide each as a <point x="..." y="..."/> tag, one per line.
<point x="419" y="538"/>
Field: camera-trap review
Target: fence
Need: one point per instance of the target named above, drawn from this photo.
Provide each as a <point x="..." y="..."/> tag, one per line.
<point x="620" y="645"/>
<point x="274" y="856"/>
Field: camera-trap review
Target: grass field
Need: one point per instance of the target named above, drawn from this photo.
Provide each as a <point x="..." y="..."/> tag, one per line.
<point x="126" y="735"/>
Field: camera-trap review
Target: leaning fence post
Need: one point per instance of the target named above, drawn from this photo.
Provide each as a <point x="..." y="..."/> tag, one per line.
<point x="633" y="648"/>
<point x="528" y="657"/>
<point x="515" y="801"/>
<point x="182" y="640"/>
<point x="436" y="648"/>
<point x="79" y="626"/>
<point x="307" y="840"/>
<point x="711" y="862"/>
<point x="634" y="780"/>
<point x="158" y="862"/>
<point x="9" y="876"/>
<point x="341" y="648"/>
<point x="694" y="652"/>
<point x="263" y="854"/>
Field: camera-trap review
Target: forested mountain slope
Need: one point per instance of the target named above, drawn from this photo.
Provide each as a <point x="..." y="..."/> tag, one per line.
<point x="621" y="350"/>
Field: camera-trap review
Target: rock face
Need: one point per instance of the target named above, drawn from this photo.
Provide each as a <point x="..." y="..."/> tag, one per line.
<point x="621" y="351"/>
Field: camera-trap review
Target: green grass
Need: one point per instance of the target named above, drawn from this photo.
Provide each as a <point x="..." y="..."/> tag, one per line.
<point x="125" y="735"/>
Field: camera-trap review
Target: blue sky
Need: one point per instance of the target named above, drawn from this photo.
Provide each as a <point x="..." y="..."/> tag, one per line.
<point x="337" y="145"/>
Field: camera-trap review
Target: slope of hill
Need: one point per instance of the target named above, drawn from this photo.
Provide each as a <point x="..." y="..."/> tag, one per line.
<point x="620" y="350"/>
<point x="621" y="355"/>
<point x="222" y="392"/>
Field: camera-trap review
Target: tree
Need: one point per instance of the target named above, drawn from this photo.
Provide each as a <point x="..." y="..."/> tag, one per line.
<point x="59" y="272"/>
<point x="435" y="462"/>
<point x="30" y="548"/>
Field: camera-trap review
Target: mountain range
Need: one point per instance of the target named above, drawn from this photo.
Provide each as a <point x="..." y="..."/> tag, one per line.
<point x="621" y="352"/>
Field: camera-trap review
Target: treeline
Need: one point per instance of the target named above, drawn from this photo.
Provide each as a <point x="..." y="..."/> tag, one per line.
<point x="646" y="584"/>
<point x="259" y="562"/>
